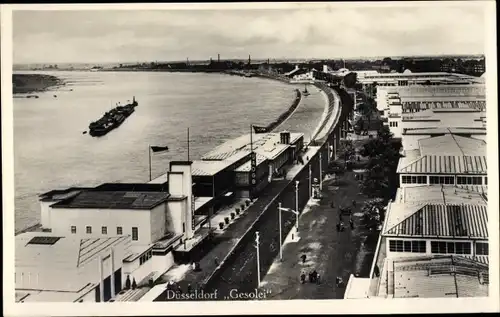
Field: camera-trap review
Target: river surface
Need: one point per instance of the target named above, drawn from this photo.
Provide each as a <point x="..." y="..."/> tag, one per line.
<point x="50" y="151"/>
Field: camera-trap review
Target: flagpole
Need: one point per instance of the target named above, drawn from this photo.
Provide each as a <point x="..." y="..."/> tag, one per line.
<point x="188" y="143"/>
<point x="149" y="151"/>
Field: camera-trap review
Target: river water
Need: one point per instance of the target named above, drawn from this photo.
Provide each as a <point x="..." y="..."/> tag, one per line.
<point x="50" y="151"/>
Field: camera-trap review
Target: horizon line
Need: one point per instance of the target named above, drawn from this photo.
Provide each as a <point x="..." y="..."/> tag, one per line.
<point x="265" y="59"/>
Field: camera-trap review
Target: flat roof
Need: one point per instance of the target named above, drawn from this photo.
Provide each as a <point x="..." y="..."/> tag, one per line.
<point x="440" y="164"/>
<point x="450" y="90"/>
<point x="452" y="145"/>
<point x="440" y="130"/>
<point x="434" y="276"/>
<point x="439" y="220"/>
<point x="201" y="201"/>
<point x="55" y="264"/>
<point x="208" y="168"/>
<point x="59" y="194"/>
<point x="441" y="194"/>
<point x="39" y="296"/>
<point x="357" y="287"/>
<point x="266" y="144"/>
<point x="114" y="200"/>
<point x="135" y="187"/>
<point x="245" y="167"/>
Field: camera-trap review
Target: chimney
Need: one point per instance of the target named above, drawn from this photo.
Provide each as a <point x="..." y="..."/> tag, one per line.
<point x="184" y="167"/>
<point x="285" y="137"/>
<point x="175" y="183"/>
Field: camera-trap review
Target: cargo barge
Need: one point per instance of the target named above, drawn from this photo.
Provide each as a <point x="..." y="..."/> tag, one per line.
<point x="112" y="119"/>
<point x="273" y="125"/>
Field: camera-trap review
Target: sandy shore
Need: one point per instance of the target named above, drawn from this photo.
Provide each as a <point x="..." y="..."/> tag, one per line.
<point x="29" y="83"/>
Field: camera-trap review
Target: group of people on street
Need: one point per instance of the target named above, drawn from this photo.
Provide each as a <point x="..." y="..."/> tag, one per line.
<point x="313" y="277"/>
<point x="340" y="225"/>
<point x="173" y="286"/>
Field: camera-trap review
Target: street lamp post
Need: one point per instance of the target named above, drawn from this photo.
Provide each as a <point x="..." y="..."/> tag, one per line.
<point x="258" y="257"/>
<point x="310" y="180"/>
<point x="281" y="239"/>
<point x="297" y="202"/>
<point x="297" y="224"/>
<point x="320" y="173"/>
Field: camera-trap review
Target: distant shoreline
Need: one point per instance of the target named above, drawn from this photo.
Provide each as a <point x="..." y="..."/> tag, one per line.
<point x="30" y="83"/>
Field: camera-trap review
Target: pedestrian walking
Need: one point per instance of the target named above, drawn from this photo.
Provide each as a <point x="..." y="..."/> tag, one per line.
<point x="189" y="289"/>
<point x="303" y="277"/>
<point x="332" y="205"/>
<point x="317" y="279"/>
<point x="340" y="216"/>
<point x="303" y="257"/>
<point x="339" y="281"/>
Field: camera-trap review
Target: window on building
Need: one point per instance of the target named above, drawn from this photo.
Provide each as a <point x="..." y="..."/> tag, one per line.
<point x="104" y="230"/>
<point x="73" y="229"/>
<point x="407" y="246"/>
<point x="135" y="233"/>
<point x="447" y="180"/>
<point x="450" y="247"/>
<point x="145" y="257"/>
<point x="414" y="179"/>
<point x="469" y="180"/>
<point x="486" y="181"/>
<point x="88" y="229"/>
<point x="482" y="248"/>
<point x="119" y="230"/>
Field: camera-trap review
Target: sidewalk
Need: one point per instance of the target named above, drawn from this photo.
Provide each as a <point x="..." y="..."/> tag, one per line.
<point x="329" y="252"/>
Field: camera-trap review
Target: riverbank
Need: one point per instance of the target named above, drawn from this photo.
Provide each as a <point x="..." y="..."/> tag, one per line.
<point x="29" y="83"/>
<point x="285" y="115"/>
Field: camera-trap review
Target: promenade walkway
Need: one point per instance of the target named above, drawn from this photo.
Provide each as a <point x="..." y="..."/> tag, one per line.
<point x="329" y="252"/>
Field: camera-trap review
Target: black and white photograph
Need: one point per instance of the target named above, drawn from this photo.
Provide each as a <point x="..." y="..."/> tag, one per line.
<point x="265" y="155"/>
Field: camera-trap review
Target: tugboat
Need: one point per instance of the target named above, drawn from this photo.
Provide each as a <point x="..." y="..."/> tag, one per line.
<point x="112" y="119"/>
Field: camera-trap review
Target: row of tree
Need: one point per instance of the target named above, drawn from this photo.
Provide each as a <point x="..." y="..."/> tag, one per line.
<point x="383" y="152"/>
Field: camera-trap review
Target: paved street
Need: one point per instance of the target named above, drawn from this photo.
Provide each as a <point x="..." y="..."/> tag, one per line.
<point x="330" y="252"/>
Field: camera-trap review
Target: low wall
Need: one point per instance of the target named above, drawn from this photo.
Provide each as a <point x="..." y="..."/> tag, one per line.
<point x="285" y="115"/>
<point x="267" y="221"/>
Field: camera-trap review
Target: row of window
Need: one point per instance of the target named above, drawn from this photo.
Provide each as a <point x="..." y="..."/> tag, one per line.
<point x="407" y="246"/>
<point x="145" y="257"/>
<point x="437" y="247"/>
<point x="104" y="230"/>
<point x="393" y="124"/>
<point x="450" y="247"/>
<point x="447" y="180"/>
<point x="414" y="179"/>
<point x="469" y="180"/>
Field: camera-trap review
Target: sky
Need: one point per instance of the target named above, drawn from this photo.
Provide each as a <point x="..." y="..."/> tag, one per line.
<point x="129" y="36"/>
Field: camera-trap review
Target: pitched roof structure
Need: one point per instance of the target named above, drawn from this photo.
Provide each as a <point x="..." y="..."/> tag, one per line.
<point x="454" y="145"/>
<point x="438" y="164"/>
<point x="443" y="220"/>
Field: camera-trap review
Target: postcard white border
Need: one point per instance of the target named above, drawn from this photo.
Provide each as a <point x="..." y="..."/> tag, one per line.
<point x="367" y="306"/>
